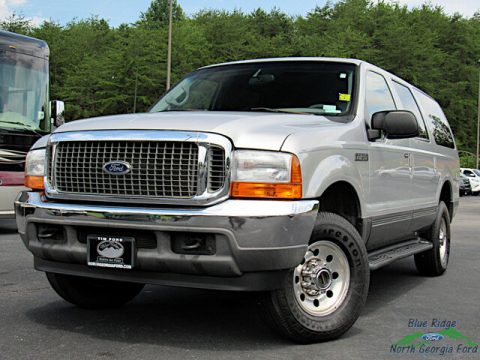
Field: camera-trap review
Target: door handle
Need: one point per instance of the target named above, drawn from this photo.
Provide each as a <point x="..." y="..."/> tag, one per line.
<point x="406" y="155"/>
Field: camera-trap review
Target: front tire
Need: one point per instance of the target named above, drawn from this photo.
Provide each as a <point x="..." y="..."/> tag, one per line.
<point x="89" y="293"/>
<point x="434" y="262"/>
<point x="324" y="295"/>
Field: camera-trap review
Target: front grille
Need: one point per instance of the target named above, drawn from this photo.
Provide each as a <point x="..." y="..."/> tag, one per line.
<point x="217" y="173"/>
<point x="166" y="169"/>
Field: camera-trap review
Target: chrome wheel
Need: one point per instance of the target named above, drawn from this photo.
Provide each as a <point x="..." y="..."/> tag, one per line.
<point x="443" y="244"/>
<point x="322" y="280"/>
<point x="322" y="297"/>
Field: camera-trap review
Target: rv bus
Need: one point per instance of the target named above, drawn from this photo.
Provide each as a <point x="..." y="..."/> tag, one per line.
<point x="24" y="109"/>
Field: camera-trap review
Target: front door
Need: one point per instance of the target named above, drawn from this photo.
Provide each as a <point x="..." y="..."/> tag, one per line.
<point x="390" y="191"/>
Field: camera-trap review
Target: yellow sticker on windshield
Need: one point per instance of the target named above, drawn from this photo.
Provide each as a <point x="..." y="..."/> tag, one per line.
<point x="344" y="97"/>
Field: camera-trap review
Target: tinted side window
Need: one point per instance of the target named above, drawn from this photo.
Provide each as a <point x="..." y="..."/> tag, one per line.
<point x="379" y="97"/>
<point x="409" y="103"/>
<point x="442" y="134"/>
<point x="468" y="173"/>
<point x="436" y="121"/>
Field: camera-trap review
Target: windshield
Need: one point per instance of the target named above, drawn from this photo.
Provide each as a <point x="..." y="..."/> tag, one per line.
<point x="316" y="88"/>
<point x="23" y="92"/>
<point x="476" y="172"/>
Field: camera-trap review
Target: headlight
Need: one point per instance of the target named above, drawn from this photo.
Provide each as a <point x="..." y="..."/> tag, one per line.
<point x="266" y="174"/>
<point x="35" y="169"/>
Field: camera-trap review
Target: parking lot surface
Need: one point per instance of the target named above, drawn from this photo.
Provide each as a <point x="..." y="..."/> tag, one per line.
<point x="174" y="323"/>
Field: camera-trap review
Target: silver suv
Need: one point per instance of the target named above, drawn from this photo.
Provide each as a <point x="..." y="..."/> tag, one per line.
<point x="295" y="177"/>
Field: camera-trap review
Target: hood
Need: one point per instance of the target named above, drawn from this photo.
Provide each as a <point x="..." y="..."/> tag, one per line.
<point x="252" y="130"/>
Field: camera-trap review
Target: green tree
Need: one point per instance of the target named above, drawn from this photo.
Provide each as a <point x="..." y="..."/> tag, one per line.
<point x="16" y="23"/>
<point x="158" y="13"/>
<point x="54" y="34"/>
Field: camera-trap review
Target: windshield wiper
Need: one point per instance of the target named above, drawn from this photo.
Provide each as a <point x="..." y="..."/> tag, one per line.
<point x="267" y="109"/>
<point x="24" y="126"/>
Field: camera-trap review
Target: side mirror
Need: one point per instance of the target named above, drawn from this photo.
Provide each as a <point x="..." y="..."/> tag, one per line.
<point x="57" y="109"/>
<point x="396" y="124"/>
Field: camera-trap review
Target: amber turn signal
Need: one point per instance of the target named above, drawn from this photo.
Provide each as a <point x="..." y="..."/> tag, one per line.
<point x="290" y="190"/>
<point x="34" y="182"/>
<point x="266" y="191"/>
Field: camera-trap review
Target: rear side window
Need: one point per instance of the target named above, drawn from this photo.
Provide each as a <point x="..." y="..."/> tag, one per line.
<point x="379" y="97"/>
<point x="436" y="120"/>
<point x="409" y="103"/>
<point x="442" y="134"/>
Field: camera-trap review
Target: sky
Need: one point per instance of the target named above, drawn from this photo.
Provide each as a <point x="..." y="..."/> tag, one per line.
<point x="128" y="11"/>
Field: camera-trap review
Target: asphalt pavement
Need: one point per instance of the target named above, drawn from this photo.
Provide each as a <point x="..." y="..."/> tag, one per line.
<point x="175" y="323"/>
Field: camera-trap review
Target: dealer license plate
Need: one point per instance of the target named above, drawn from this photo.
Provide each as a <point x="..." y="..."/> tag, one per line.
<point x="110" y="251"/>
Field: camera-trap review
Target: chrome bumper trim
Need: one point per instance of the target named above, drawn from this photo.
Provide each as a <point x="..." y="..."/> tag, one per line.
<point x="229" y="208"/>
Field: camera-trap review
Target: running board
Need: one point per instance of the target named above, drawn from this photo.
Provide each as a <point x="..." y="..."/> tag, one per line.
<point x="385" y="256"/>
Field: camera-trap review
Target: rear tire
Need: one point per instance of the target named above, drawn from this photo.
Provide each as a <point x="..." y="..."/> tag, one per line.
<point x="323" y="296"/>
<point x="434" y="262"/>
<point x="92" y="293"/>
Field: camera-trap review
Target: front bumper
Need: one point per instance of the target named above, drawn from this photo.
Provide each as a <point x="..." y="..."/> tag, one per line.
<point x="7" y="197"/>
<point x="254" y="239"/>
<point x="475" y="187"/>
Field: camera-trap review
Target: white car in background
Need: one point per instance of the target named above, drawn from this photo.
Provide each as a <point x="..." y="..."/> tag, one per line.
<point x="474" y="177"/>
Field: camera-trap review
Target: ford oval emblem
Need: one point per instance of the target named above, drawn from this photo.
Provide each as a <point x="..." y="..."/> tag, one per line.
<point x="110" y="249"/>
<point x="117" y="167"/>
<point x="432" y="337"/>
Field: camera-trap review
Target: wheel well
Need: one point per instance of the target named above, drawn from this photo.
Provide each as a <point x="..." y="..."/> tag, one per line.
<point x="446" y="197"/>
<point x="342" y="199"/>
